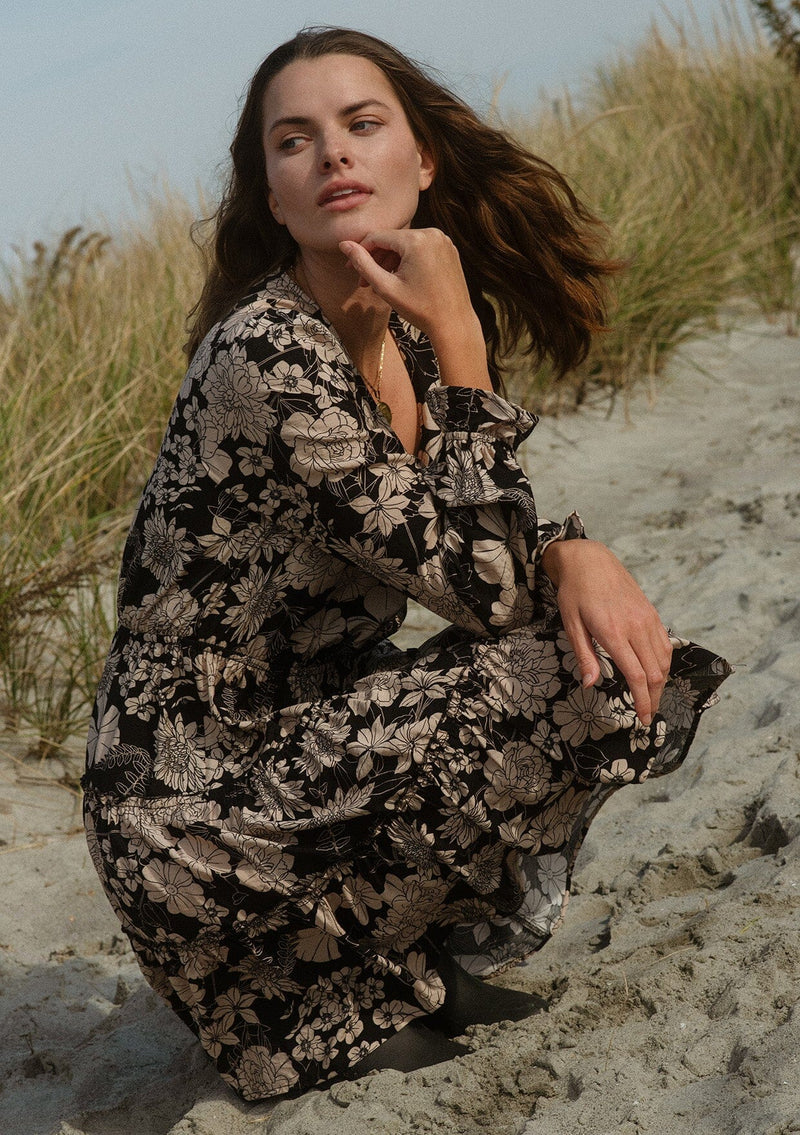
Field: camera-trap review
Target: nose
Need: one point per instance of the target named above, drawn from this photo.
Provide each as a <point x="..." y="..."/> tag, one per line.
<point x="333" y="154"/>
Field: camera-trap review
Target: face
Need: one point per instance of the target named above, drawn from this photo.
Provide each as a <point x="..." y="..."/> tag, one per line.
<point x="341" y="158"/>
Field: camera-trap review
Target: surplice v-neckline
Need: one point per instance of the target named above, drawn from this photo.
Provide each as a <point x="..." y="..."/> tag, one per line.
<point x="399" y="331"/>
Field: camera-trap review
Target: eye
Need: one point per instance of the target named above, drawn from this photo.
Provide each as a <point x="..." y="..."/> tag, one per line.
<point x="292" y="142"/>
<point x="364" y="125"/>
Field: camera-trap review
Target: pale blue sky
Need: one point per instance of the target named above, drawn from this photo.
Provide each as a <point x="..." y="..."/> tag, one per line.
<point x="100" y="94"/>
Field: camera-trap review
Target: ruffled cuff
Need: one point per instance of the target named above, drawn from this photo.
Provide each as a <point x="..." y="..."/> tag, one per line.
<point x="469" y="410"/>
<point x="549" y="532"/>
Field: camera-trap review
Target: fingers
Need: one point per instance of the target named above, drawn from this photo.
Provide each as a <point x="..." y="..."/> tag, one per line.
<point x="644" y="661"/>
<point x="373" y="273"/>
<point x="581" y="642"/>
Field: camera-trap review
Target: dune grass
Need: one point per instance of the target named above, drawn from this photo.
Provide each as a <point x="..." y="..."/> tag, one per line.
<point x="689" y="150"/>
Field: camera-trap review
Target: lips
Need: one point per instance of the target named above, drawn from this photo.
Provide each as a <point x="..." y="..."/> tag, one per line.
<point x="342" y="191"/>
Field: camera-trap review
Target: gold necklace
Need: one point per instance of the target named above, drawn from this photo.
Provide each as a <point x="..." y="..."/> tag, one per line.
<point x="383" y="408"/>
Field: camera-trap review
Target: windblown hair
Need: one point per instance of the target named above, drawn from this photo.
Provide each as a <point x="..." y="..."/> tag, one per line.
<point x="530" y="250"/>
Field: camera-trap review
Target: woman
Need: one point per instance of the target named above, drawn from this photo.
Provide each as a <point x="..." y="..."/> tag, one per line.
<point x="313" y="839"/>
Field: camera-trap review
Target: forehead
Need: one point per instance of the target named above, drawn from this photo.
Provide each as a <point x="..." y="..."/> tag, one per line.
<point x="330" y="82"/>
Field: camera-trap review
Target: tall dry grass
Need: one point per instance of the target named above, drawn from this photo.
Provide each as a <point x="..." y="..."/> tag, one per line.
<point x="91" y="333"/>
<point x="690" y="150"/>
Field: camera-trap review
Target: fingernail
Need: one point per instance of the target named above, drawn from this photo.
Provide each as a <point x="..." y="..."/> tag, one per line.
<point x="646" y="719"/>
<point x="587" y="680"/>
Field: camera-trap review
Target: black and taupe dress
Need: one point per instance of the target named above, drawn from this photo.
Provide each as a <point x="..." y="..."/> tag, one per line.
<point x="291" y="816"/>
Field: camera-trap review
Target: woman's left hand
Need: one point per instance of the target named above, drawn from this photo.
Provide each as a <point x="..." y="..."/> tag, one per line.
<point x="600" y="600"/>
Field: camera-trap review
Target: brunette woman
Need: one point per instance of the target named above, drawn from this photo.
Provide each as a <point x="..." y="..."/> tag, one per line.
<point x="319" y="844"/>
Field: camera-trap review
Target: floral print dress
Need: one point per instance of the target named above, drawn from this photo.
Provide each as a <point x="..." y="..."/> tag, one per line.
<point x="292" y="817"/>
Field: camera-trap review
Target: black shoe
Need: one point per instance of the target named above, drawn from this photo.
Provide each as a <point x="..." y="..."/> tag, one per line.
<point x="413" y="1047"/>
<point x="470" y="1001"/>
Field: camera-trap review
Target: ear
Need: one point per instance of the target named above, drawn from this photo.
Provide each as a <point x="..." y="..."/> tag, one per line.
<point x="274" y="207"/>
<point x="427" y="168"/>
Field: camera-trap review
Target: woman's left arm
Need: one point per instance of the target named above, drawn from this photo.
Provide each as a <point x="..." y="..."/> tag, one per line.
<point x="600" y="600"/>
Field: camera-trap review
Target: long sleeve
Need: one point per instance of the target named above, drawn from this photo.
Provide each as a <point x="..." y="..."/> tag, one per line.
<point x="459" y="533"/>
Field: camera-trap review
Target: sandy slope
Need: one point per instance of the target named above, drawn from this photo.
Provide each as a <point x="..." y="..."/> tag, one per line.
<point x="674" y="980"/>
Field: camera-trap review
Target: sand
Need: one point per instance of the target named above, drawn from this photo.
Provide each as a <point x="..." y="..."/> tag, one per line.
<point x="674" y="980"/>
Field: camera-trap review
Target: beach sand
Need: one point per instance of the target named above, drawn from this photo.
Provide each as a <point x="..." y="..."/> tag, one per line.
<point x="674" y="980"/>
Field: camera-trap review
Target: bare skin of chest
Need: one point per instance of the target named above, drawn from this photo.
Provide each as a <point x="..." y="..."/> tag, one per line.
<point x="398" y="393"/>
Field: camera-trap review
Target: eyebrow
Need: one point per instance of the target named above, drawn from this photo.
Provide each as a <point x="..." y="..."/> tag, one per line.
<point x="303" y="120"/>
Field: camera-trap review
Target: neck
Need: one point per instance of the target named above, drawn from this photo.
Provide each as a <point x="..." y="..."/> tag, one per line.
<point x="359" y="316"/>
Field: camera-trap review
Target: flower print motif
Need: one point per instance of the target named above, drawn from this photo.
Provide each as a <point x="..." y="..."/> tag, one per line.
<point x="172" y="884"/>
<point x="331" y="1011"/>
<point x="512" y="608"/>
<point x="203" y="858"/>
<point x="551" y="876"/>
<point x="414" y="843"/>
<point x="369" y="991"/>
<point x="290" y="378"/>
<point x="360" y="896"/>
<point x="584" y="713"/>
<point x="214" y="1035"/>
<point x="180" y="761"/>
<point x="267" y="868"/>
<point x="166" y="550"/>
<point x="410" y="741"/>
<point x="494" y="563"/>
<point x="463" y="481"/>
<point x="351" y="1029"/>
<point x="259" y="597"/>
<point x="235" y="1004"/>
<point x="248" y="322"/>
<point x="324" y="628"/>
<point x="393" y="1014"/>
<point x="677" y="704"/>
<point x="309" y="1045"/>
<point x="320" y="748"/>
<point x="200" y="956"/>
<point x="280" y="797"/>
<point x="484" y="870"/>
<point x="621" y="709"/>
<point x="413" y="903"/>
<point x="422" y="686"/>
<point x="254" y="462"/>
<point x="382" y="686"/>
<point x="224" y="542"/>
<point x="103" y="732"/>
<point x="330" y="444"/>
<point x="175" y="613"/>
<point x="395" y="473"/>
<point x="127" y="868"/>
<point x="371" y="742"/>
<point x="310" y="567"/>
<point x="556" y="822"/>
<point x="523" y="673"/>
<point x="517" y="774"/>
<point x="238" y="399"/>
<point x="314" y="335"/>
<point x="618" y="772"/>
<point x="465" y="822"/>
<point x="260" y="1073"/>
<point x="383" y="511"/>
<point x="370" y="556"/>
<point x="262" y="975"/>
<point x="639" y="735"/>
<point x="187" y="992"/>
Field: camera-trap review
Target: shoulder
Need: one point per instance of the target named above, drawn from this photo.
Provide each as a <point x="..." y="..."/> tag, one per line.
<point x="279" y="313"/>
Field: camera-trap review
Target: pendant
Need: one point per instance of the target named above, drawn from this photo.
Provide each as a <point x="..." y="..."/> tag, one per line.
<point x="385" y="412"/>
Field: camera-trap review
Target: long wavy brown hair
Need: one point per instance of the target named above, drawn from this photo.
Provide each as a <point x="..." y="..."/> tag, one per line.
<point x="530" y="250"/>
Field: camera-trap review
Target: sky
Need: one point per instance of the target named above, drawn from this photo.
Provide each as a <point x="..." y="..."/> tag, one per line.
<point x="106" y="99"/>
